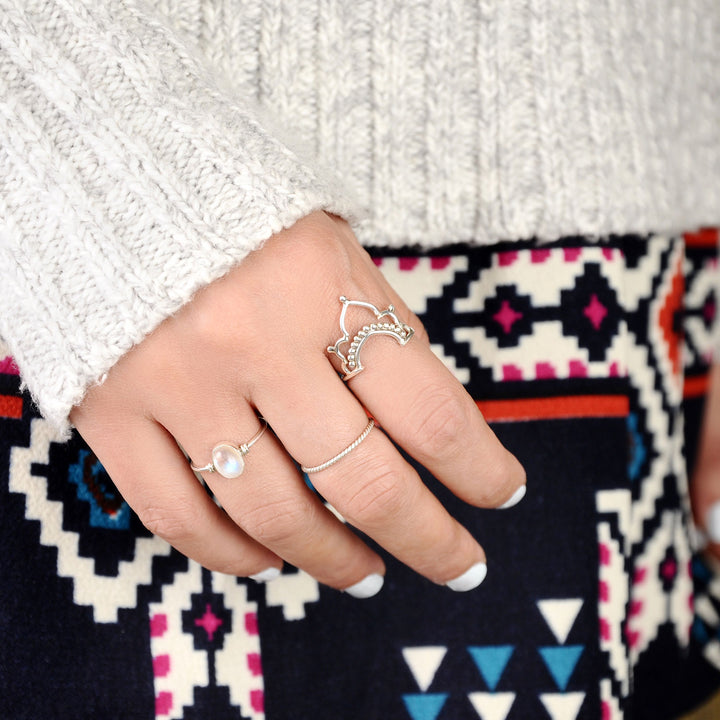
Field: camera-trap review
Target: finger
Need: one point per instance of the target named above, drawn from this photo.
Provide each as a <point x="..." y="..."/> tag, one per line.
<point x="429" y="414"/>
<point x="706" y="504"/>
<point x="158" y="484"/>
<point x="705" y="486"/>
<point x="272" y="503"/>
<point x="373" y="487"/>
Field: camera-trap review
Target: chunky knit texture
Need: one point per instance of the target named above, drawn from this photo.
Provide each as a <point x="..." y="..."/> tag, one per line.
<point x="144" y="146"/>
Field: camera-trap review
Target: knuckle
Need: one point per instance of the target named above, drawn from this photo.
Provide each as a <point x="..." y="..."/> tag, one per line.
<point x="383" y="494"/>
<point x="203" y="323"/>
<point x="444" y="419"/>
<point x="174" y="524"/>
<point x="212" y="320"/>
<point x="280" y="521"/>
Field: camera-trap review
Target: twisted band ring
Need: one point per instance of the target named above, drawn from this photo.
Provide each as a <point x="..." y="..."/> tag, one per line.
<point x="342" y="453"/>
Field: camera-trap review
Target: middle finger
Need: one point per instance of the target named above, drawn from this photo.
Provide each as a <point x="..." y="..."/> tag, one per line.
<point x="373" y="487"/>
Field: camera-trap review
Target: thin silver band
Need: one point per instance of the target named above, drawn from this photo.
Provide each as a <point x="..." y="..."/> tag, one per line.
<point x="341" y="455"/>
<point x="243" y="449"/>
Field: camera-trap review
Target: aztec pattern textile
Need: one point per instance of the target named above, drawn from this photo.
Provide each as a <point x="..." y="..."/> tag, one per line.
<point x="589" y="359"/>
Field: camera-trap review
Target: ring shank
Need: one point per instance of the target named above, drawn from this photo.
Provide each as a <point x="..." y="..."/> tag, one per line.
<point x="342" y="453"/>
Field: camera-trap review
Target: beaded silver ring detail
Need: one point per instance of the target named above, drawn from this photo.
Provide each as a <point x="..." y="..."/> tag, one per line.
<point x="351" y="363"/>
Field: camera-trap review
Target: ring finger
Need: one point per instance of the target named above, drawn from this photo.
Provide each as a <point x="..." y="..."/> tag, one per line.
<point x="372" y="486"/>
<point x="270" y="502"/>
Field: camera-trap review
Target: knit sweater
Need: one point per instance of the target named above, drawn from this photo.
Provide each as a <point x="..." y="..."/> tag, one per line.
<point x="148" y="147"/>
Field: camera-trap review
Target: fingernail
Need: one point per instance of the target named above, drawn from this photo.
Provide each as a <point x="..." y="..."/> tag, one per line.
<point x="469" y="579"/>
<point x="712" y="522"/>
<point x="266" y="575"/>
<point x="517" y="496"/>
<point x="367" y="587"/>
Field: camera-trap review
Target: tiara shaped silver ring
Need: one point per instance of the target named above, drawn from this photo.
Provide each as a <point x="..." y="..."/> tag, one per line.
<point x="351" y="362"/>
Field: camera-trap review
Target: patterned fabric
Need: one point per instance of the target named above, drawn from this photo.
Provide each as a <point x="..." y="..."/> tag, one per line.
<point x="589" y="359"/>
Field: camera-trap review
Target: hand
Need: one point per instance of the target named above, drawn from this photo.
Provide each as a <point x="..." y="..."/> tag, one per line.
<point x="255" y="343"/>
<point x="705" y="486"/>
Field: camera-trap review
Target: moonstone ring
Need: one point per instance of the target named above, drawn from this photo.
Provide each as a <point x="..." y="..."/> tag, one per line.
<point x="228" y="460"/>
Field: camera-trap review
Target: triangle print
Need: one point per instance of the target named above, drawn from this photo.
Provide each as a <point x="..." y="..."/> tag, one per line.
<point x="491" y="661"/>
<point x="560" y="615"/>
<point x="424" y="663"/>
<point x="424" y="707"/>
<point x="561" y="662"/>
<point x="565" y="706"/>
<point x="492" y="706"/>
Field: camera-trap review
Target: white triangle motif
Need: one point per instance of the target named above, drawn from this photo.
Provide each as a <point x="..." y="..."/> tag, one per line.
<point x="560" y="615"/>
<point x="424" y="663"/>
<point x="563" y="706"/>
<point x="492" y="706"/>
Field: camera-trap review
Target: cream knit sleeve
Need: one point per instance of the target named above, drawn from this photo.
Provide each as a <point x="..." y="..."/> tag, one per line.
<point x="130" y="176"/>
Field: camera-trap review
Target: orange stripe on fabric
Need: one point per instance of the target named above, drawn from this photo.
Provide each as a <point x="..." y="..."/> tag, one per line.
<point x="11" y="406"/>
<point x="568" y="406"/>
<point x="696" y="386"/>
<point x="705" y="237"/>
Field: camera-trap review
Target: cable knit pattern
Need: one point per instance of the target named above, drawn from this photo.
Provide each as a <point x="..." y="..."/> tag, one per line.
<point x="145" y="148"/>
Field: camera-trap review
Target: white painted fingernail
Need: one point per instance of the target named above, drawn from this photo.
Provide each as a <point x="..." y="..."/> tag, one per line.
<point x="517" y="496"/>
<point x="367" y="587"/>
<point x="266" y="575"/>
<point x="469" y="579"/>
<point x="712" y="522"/>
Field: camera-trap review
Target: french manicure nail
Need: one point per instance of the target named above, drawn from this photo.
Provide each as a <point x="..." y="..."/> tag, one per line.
<point x="517" y="496"/>
<point x="367" y="587"/>
<point x="469" y="579"/>
<point x="712" y="522"/>
<point x="266" y="575"/>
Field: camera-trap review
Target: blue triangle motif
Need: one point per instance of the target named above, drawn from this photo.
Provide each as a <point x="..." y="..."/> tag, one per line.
<point x="491" y="661"/>
<point x="426" y="706"/>
<point x="561" y="662"/>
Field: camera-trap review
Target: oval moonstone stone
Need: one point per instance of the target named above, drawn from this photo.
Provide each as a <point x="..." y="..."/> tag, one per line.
<point x="228" y="460"/>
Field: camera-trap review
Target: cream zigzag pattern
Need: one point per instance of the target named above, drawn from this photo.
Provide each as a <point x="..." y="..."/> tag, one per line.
<point x="105" y="595"/>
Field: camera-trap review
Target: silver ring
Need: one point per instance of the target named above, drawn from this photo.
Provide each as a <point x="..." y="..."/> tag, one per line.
<point x="343" y="453"/>
<point x="228" y="460"/>
<point x="351" y="363"/>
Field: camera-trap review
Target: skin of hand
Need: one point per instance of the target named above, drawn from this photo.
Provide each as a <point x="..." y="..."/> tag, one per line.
<point x="705" y="486"/>
<point x="254" y="342"/>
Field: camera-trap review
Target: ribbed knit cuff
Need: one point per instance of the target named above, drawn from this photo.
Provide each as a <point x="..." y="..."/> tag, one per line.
<point x="129" y="178"/>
